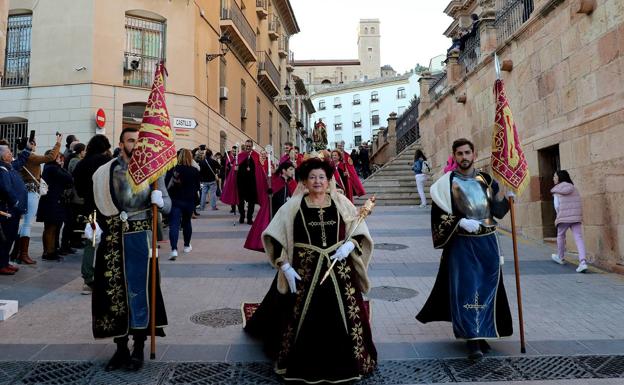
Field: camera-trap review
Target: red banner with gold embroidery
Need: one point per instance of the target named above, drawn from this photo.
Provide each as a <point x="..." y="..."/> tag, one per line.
<point x="508" y="160"/>
<point x="154" y="152"/>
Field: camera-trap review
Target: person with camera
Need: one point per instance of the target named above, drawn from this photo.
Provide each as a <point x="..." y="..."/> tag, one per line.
<point x="31" y="174"/>
<point x="13" y="201"/>
<point x="209" y="177"/>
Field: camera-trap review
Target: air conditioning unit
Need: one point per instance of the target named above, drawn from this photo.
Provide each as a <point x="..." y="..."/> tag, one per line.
<point x="132" y="63"/>
<point x="243" y="113"/>
<point x="223" y="93"/>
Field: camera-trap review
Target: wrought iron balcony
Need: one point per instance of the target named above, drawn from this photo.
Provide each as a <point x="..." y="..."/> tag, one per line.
<point x="283" y="46"/>
<point x="290" y="63"/>
<point x="235" y="25"/>
<point x="262" y="9"/>
<point x="471" y="54"/>
<point x="268" y="74"/>
<point x="275" y="27"/>
<point x="437" y="88"/>
<point x="510" y="16"/>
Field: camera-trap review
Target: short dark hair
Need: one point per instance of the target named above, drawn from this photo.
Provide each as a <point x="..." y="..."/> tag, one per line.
<point x="419" y="154"/>
<point x="564" y="176"/>
<point x="79" y="147"/>
<point x="284" y="166"/>
<point x="288" y="144"/>
<point x="462" y="142"/>
<point x="296" y="148"/>
<point x="69" y="140"/>
<point x="314" y="164"/>
<point x="126" y="130"/>
<point x="98" y="144"/>
<point x="208" y="153"/>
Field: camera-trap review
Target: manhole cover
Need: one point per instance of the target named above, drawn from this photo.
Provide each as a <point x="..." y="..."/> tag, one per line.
<point x="390" y="246"/>
<point x="391" y="293"/>
<point x="218" y="318"/>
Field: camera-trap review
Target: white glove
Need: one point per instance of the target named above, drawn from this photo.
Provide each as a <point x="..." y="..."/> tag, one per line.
<point x="88" y="232"/>
<point x="343" y="251"/>
<point x="470" y="225"/>
<point x="157" y="199"/>
<point x="291" y="276"/>
<point x="510" y="194"/>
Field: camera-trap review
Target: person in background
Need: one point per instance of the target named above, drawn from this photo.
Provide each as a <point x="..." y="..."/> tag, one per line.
<point x="419" y="167"/>
<point x="209" y="177"/>
<point x="182" y="184"/>
<point x="53" y="206"/>
<point x="355" y="157"/>
<point x="569" y="208"/>
<point x="13" y="202"/>
<point x="70" y="142"/>
<point x="451" y="165"/>
<point x="76" y="209"/>
<point x="97" y="154"/>
<point x="364" y="161"/>
<point x="31" y="173"/>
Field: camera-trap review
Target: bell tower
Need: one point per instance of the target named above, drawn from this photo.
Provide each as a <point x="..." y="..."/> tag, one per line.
<point x="369" y="44"/>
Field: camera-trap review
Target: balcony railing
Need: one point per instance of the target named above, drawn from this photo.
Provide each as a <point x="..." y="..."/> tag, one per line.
<point x="510" y="16"/>
<point x="469" y="57"/>
<point x="283" y="46"/>
<point x="233" y="13"/>
<point x="266" y="64"/>
<point x="407" y="131"/>
<point x="437" y="88"/>
<point x="274" y="27"/>
<point x="261" y="8"/>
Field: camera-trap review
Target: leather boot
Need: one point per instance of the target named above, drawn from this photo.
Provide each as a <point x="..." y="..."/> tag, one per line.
<point x="136" y="359"/>
<point x="121" y="358"/>
<point x="24" y="258"/>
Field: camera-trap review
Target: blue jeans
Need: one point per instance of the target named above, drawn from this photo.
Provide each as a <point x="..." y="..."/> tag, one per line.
<point x="33" y="204"/>
<point x="205" y="188"/>
<point x="180" y="214"/>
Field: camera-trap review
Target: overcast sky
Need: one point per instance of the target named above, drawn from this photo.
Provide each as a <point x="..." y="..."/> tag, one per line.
<point x="411" y="30"/>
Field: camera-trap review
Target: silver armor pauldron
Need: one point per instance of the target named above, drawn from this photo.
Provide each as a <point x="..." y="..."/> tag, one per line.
<point x="473" y="197"/>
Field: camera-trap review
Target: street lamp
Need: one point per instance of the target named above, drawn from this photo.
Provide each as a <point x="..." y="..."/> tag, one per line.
<point x="287" y="89"/>
<point x="224" y="44"/>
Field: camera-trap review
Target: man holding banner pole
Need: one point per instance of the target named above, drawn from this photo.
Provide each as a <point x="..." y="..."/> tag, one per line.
<point x="129" y="191"/>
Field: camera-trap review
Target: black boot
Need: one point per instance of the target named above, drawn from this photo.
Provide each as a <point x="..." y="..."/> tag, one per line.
<point x="121" y="358"/>
<point x="241" y="219"/>
<point x="474" y="351"/>
<point x="136" y="360"/>
<point x="484" y="346"/>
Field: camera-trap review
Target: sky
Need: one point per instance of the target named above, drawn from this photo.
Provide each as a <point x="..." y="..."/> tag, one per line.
<point x="411" y="30"/>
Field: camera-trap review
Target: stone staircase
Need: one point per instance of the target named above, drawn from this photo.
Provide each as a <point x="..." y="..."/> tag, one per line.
<point x="394" y="184"/>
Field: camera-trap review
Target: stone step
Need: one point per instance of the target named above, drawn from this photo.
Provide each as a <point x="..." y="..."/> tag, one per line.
<point x="392" y="202"/>
<point x="392" y="182"/>
<point x="384" y="190"/>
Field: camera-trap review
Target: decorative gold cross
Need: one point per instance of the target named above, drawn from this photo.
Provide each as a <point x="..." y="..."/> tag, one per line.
<point x="322" y="223"/>
<point x="477" y="307"/>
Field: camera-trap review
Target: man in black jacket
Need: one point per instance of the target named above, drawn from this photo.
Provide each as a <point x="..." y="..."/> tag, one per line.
<point x="98" y="153"/>
<point x="208" y="176"/>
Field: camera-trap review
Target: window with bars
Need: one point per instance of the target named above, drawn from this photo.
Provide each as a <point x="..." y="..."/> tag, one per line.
<point x="374" y="96"/>
<point x="12" y="131"/>
<point x="401" y="93"/>
<point x="356" y="99"/>
<point x="17" y="60"/>
<point x="375" y="118"/>
<point x="145" y="48"/>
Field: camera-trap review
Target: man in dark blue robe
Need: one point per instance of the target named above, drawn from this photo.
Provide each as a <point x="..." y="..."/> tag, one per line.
<point x="469" y="290"/>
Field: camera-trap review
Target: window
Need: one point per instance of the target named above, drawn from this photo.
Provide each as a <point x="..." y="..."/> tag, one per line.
<point x="370" y="49"/>
<point x="356" y="99"/>
<point x="17" y="61"/>
<point x="222" y="85"/>
<point x="375" y="117"/>
<point x="321" y="104"/>
<point x="357" y="140"/>
<point x="374" y="96"/>
<point x="12" y="130"/>
<point x="357" y="120"/>
<point x="145" y="47"/>
<point x="258" y="118"/>
<point x="401" y="93"/>
<point x="243" y="100"/>
<point x="372" y="30"/>
<point x="365" y="30"/>
<point x="401" y="110"/>
<point x="271" y="128"/>
<point x="337" y="103"/>
<point x="338" y="122"/>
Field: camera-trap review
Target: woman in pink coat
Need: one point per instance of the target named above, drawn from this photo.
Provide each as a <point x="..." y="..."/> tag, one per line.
<point x="568" y="205"/>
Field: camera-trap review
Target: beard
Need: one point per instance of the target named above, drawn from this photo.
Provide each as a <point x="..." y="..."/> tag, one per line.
<point x="128" y="152"/>
<point x="465" y="165"/>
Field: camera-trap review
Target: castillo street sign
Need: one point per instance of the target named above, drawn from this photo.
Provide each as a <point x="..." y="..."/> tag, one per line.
<point x="184" y="123"/>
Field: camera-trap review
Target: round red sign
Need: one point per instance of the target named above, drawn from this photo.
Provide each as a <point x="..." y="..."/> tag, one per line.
<point x="100" y="118"/>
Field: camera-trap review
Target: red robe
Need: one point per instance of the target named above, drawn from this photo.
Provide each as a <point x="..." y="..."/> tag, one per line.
<point x="356" y="184"/>
<point x="254" y="237"/>
<point x="343" y="181"/>
<point x="229" y="192"/>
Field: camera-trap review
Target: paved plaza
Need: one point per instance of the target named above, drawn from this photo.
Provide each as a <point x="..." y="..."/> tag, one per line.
<point x="573" y="321"/>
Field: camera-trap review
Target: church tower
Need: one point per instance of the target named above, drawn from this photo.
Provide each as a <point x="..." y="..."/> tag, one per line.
<point x="369" y="44"/>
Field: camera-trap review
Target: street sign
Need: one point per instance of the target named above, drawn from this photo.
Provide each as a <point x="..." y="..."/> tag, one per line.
<point x="100" y="118"/>
<point x="184" y="123"/>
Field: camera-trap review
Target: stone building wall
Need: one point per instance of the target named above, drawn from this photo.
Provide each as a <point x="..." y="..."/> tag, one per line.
<point x="566" y="94"/>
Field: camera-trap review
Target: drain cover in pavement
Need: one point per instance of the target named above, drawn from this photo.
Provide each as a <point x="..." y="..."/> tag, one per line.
<point x="218" y="318"/>
<point x="391" y="293"/>
<point x="390" y="246"/>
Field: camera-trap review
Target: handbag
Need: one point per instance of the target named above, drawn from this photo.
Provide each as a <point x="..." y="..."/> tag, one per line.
<point x="43" y="185"/>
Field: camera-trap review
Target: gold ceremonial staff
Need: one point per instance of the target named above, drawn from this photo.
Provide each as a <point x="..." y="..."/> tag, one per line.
<point x="364" y="212"/>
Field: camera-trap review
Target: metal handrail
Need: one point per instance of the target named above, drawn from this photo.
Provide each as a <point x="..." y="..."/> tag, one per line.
<point x="510" y="16"/>
<point x="234" y="13"/>
<point x="266" y="64"/>
<point x="437" y="87"/>
<point x="471" y="54"/>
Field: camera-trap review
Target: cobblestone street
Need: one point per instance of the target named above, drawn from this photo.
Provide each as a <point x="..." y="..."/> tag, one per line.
<point x="573" y="321"/>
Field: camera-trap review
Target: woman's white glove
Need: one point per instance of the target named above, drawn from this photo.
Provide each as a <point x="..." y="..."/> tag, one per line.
<point x="343" y="251"/>
<point x="291" y="276"/>
<point x="157" y="199"/>
<point x="470" y="225"/>
<point x="88" y="232"/>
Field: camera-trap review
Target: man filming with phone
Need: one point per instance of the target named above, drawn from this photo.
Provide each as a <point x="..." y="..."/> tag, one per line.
<point x="31" y="174"/>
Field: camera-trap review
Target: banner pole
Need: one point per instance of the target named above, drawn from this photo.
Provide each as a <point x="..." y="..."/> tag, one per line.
<point x="153" y="277"/>
<point x="517" y="270"/>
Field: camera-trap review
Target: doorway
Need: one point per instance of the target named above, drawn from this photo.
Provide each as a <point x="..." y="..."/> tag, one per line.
<point x="548" y="162"/>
